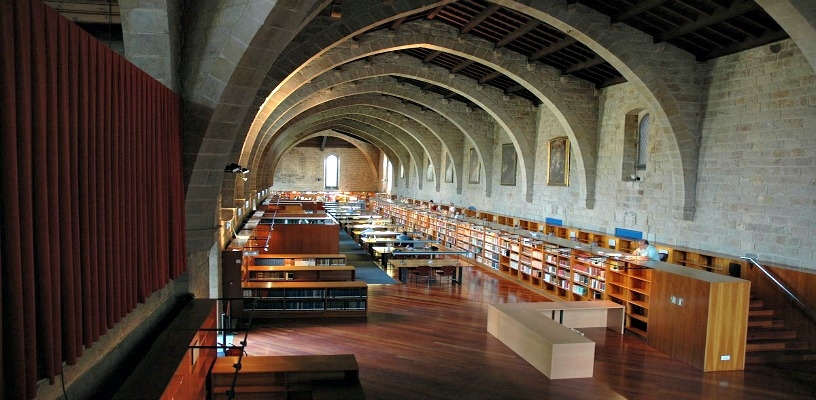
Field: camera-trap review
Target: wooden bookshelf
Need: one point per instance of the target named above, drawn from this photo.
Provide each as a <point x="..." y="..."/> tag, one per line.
<point x="290" y="299"/>
<point x="305" y="259"/>
<point x="320" y="273"/>
<point x="569" y="264"/>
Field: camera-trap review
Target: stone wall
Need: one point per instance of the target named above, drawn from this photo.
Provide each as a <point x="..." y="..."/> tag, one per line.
<point x="757" y="175"/>
<point x="301" y="168"/>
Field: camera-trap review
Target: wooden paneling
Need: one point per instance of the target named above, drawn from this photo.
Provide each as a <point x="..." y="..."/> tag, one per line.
<point x="698" y="321"/>
<point x="300" y="238"/>
<point x="727" y="326"/>
<point x="801" y="283"/>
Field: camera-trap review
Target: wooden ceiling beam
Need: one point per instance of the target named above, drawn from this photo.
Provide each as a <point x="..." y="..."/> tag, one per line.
<point x="489" y="77"/>
<point x="100" y="12"/>
<point x="492" y="8"/>
<point x="462" y="65"/>
<point x="738" y="8"/>
<point x="430" y="57"/>
<point x="638" y="9"/>
<point x="530" y="25"/>
<point x="566" y="42"/>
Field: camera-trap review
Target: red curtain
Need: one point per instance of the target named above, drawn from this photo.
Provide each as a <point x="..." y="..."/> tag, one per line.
<point x="91" y="192"/>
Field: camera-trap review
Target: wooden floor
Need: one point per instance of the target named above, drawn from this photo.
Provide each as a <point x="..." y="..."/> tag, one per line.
<point x="422" y="342"/>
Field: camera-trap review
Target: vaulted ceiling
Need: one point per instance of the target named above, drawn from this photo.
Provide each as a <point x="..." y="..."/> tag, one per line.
<point x="301" y="90"/>
<point x="705" y="28"/>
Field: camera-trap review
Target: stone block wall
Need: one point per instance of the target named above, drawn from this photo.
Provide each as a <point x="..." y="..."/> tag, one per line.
<point x="756" y="188"/>
<point x="301" y="169"/>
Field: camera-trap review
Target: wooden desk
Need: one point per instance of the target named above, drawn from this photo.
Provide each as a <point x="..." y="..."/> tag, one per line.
<point x="386" y="251"/>
<point x="405" y="265"/>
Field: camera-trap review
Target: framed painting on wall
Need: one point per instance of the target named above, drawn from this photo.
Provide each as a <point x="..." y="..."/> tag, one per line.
<point x="508" y="170"/>
<point x="475" y="168"/>
<point x="558" y="157"/>
<point x="429" y="173"/>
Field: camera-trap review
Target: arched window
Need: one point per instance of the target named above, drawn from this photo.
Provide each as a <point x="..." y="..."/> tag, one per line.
<point x="331" y="171"/>
<point x="390" y="177"/>
<point x="643" y="141"/>
<point x="637" y="124"/>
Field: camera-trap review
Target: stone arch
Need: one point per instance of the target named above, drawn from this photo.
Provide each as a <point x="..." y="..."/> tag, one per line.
<point x="272" y="156"/>
<point x="464" y="124"/>
<point x="671" y="91"/>
<point x="382" y="85"/>
<point x="401" y="134"/>
<point x="576" y="114"/>
<point x="415" y="123"/>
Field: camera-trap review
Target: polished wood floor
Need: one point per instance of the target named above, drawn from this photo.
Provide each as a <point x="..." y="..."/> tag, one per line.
<point x="422" y="342"/>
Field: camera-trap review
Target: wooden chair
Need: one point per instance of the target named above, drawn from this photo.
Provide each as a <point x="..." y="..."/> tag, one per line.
<point x="421" y="272"/>
<point x="446" y="273"/>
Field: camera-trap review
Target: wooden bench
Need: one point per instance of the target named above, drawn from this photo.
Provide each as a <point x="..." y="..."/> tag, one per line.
<point x="543" y="334"/>
<point x="273" y="377"/>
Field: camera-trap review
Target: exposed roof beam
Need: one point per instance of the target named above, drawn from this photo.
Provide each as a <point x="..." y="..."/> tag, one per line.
<point x="739" y="7"/>
<point x="567" y="41"/>
<point x="636" y="10"/>
<point x="461" y="66"/>
<point x="514" y="89"/>
<point x="530" y="25"/>
<point x="97" y="13"/>
<point x="397" y="24"/>
<point x="432" y="14"/>
<point x="430" y="57"/>
<point x="489" y="77"/>
<point x="492" y="8"/>
<point x="592" y="62"/>
<point x="768" y="37"/>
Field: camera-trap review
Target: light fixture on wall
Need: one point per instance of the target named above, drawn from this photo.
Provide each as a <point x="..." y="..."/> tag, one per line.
<point x="234" y="168"/>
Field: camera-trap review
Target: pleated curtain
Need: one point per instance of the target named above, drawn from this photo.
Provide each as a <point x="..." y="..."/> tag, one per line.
<point x="91" y="192"/>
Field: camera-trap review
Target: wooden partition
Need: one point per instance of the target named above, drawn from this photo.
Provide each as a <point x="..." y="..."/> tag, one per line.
<point x="298" y="238"/>
<point x="700" y="318"/>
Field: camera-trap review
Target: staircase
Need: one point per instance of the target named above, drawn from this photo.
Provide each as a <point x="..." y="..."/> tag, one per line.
<point x="770" y="342"/>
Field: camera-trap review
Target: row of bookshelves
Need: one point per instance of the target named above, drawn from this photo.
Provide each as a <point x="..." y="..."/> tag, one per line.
<point x="320" y="293"/>
<point x="296" y="260"/>
<point x="567" y="263"/>
<point x="263" y="304"/>
<point x="561" y="266"/>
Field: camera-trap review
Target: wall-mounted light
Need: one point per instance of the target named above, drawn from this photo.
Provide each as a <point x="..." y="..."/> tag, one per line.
<point x="234" y="168"/>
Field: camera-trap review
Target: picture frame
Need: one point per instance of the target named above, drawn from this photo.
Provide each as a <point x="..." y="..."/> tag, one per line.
<point x="474" y="171"/>
<point x="429" y="173"/>
<point x="558" y="161"/>
<point x="508" y="170"/>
